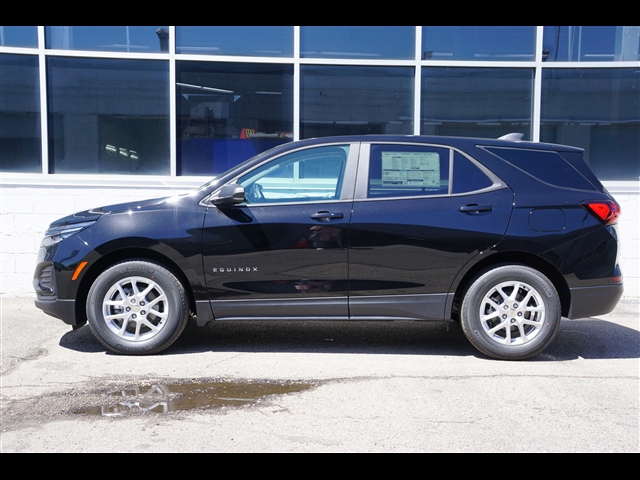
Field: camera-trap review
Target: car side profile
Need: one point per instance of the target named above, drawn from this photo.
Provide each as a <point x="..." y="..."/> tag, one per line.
<point x="505" y="237"/>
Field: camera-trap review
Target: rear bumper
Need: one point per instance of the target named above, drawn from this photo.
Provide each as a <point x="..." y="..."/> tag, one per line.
<point x="594" y="301"/>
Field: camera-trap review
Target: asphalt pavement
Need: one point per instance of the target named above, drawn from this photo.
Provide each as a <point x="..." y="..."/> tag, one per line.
<point x="318" y="387"/>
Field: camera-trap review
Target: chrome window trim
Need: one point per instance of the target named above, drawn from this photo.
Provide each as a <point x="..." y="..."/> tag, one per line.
<point x="349" y="175"/>
<point x="451" y="155"/>
<point x="362" y="187"/>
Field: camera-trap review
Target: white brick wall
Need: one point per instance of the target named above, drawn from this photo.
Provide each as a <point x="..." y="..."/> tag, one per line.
<point x="26" y="211"/>
<point x="630" y="241"/>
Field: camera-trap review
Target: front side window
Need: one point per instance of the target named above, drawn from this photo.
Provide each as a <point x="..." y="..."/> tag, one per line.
<point x="310" y="175"/>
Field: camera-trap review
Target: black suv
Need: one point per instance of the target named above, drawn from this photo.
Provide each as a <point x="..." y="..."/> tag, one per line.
<point x="505" y="237"/>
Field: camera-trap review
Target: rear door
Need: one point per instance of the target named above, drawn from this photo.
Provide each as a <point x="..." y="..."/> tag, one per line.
<point x="421" y="213"/>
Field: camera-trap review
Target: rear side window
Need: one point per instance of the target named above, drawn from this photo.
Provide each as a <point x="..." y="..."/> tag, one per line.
<point x="548" y="167"/>
<point x="419" y="171"/>
<point x="408" y="171"/>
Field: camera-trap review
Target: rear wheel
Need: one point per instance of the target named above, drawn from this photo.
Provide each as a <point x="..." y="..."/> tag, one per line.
<point x="137" y="307"/>
<point x="511" y="312"/>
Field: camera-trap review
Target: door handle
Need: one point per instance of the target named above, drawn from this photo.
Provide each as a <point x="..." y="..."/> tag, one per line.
<point x="327" y="216"/>
<point x="475" y="209"/>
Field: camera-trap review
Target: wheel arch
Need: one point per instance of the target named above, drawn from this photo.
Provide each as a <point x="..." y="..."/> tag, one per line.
<point x="122" y="255"/>
<point x="513" y="258"/>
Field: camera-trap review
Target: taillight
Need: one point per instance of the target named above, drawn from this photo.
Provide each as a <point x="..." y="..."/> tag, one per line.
<point x="607" y="211"/>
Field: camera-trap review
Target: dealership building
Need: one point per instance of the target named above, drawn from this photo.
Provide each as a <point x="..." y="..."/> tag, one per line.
<point x="91" y="116"/>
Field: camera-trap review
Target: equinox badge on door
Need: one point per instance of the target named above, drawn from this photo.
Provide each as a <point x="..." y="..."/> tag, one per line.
<point x="234" y="269"/>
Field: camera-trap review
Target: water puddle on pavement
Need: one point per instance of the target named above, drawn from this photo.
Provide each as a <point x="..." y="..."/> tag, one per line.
<point x="163" y="399"/>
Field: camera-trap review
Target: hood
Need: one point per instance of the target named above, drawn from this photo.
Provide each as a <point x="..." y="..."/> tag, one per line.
<point x="137" y="206"/>
<point x="128" y="207"/>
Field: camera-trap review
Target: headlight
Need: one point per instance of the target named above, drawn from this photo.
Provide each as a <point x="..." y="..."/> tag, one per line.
<point x="57" y="234"/>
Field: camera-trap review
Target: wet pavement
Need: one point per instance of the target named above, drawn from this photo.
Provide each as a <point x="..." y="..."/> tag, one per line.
<point x="178" y="397"/>
<point x="318" y="387"/>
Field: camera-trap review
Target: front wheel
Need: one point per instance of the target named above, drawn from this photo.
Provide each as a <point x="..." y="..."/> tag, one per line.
<point x="137" y="308"/>
<point x="511" y="312"/>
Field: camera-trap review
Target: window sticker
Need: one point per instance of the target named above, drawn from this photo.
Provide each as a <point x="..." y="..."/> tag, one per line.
<point x="419" y="169"/>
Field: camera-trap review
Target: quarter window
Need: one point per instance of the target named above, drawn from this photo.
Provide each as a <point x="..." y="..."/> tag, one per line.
<point x="467" y="177"/>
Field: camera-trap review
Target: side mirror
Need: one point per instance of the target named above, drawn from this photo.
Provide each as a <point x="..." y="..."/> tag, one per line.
<point x="229" y="195"/>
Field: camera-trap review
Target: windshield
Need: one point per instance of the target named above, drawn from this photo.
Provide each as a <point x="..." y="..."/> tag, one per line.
<point x="240" y="166"/>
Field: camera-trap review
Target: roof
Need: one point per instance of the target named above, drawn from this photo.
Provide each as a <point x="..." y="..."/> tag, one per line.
<point x="460" y="142"/>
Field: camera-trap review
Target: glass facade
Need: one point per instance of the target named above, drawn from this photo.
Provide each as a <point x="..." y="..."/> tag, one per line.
<point x="591" y="44"/>
<point x="108" y="116"/>
<point x="479" y="43"/>
<point x="229" y="112"/>
<point x="243" y="41"/>
<point x="193" y="101"/>
<point x="18" y="37"/>
<point x="355" y="100"/>
<point x="109" y="39"/>
<point x="476" y="102"/>
<point x="20" y="139"/>
<point x="598" y="110"/>
<point x="357" y="42"/>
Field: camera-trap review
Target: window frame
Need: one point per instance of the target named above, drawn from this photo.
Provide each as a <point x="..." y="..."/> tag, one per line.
<point x="269" y="179"/>
<point x="362" y="183"/>
<point x="348" y="178"/>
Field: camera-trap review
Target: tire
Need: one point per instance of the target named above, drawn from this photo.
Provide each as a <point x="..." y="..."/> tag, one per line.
<point x="137" y="308"/>
<point x="511" y="312"/>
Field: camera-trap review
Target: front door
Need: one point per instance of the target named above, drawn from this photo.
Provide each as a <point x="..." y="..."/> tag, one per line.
<point x="284" y="251"/>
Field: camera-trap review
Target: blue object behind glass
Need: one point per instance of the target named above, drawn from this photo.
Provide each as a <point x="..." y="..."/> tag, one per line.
<point x="357" y="42"/>
<point x="113" y="39"/>
<point x="229" y="112"/>
<point x="253" y="41"/>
